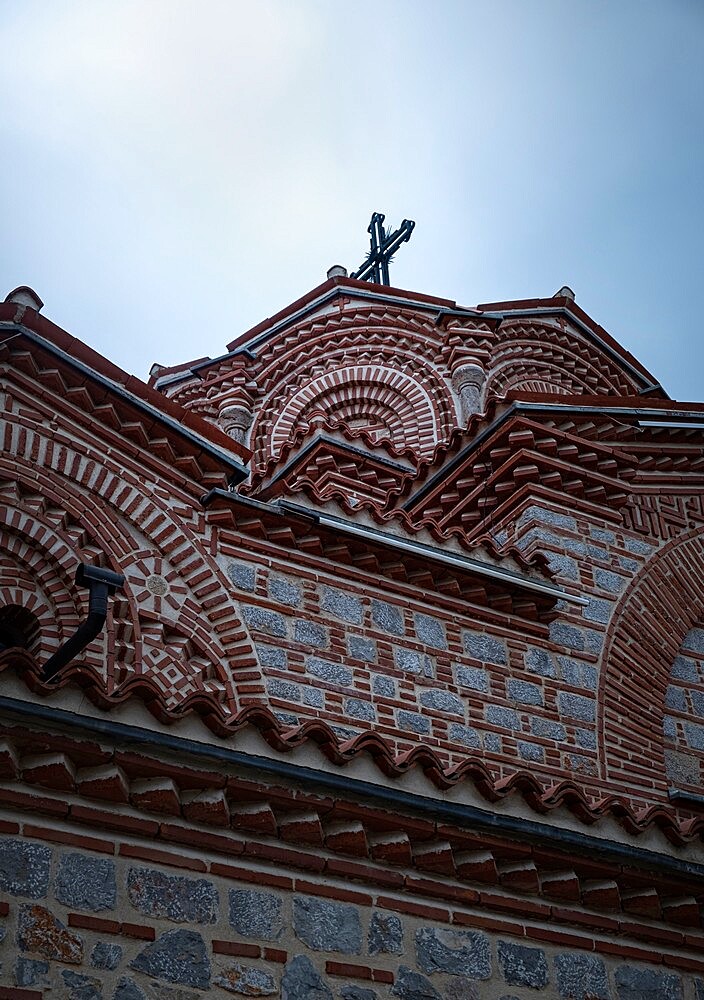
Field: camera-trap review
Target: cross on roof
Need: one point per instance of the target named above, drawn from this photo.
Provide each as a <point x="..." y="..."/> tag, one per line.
<point x="383" y="246"/>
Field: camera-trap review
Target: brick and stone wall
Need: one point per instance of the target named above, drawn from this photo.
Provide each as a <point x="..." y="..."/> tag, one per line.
<point x="95" y="920"/>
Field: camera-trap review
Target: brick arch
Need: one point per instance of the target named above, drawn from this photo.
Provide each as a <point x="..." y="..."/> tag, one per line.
<point x="415" y="409"/>
<point x="535" y="376"/>
<point x="93" y="513"/>
<point x="662" y="604"/>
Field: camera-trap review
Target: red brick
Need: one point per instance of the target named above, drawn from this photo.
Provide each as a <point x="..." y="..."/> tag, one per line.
<point x="275" y="955"/>
<point x="34" y="803"/>
<point x="683" y="962"/>
<point x="4" y="908"/>
<point x="199" y="838"/>
<point x="236" y="948"/>
<point x="628" y="951"/>
<point x="348" y="969"/>
<point x="118" y="821"/>
<point x="89" y="923"/>
<point x="441" y="890"/>
<point x="586" y="919"/>
<point x="14" y="993"/>
<point x="6" y="826"/>
<point x="554" y="936"/>
<point x="488" y="923"/>
<point x="508" y="903"/>
<point x="659" y="935"/>
<point x="247" y="875"/>
<point x="413" y="909"/>
<point x="284" y="856"/>
<point x="365" y="873"/>
<point x="332" y="892"/>
<point x="382" y="976"/>
<point x="162" y="857"/>
<point x="74" y="840"/>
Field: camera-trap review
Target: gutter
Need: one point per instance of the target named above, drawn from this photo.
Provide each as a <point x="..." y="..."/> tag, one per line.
<point x="238" y="472"/>
<point x="388" y="798"/>
<point x="419" y="550"/>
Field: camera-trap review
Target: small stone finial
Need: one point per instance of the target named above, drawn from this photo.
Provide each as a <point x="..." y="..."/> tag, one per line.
<point x="564" y="293"/>
<point x="337" y="271"/>
<point x="156" y="369"/>
<point x="23" y="295"/>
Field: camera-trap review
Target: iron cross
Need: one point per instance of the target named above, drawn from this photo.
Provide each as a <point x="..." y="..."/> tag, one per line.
<point x="383" y="246"/>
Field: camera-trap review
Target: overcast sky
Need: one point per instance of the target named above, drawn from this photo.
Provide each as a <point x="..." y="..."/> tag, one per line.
<point x="173" y="172"/>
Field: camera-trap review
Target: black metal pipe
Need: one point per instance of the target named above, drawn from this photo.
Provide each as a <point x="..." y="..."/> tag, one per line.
<point x="384" y="795"/>
<point x="102" y="583"/>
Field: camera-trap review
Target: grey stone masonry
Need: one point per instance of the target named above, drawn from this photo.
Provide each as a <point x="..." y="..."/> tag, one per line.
<point x="362" y="649"/>
<point x="538" y="661"/>
<point x="576" y="706"/>
<point x="475" y="678"/>
<point x="634" y="983"/>
<point x="302" y="981"/>
<point x="462" y="953"/>
<point x="413" y="721"/>
<point x="245" y="980"/>
<point x="411" y="985"/>
<point x="387" y="618"/>
<point x="357" y="708"/>
<point x="327" y="926"/>
<point x="178" y="957"/>
<point x="284" y="591"/>
<point x="310" y="634"/>
<point x="507" y="718"/>
<point x="342" y="605"/>
<point x="256" y="914"/>
<point x="442" y="701"/>
<point x="242" y="575"/>
<point x="385" y="934"/>
<point x="522" y="966"/>
<point x="581" y="977"/>
<point x="524" y="692"/>
<point x="414" y="662"/>
<point x="174" y="897"/>
<point x="431" y="631"/>
<point x="333" y="673"/>
<point x="269" y="622"/>
<point x="24" y="868"/>
<point x="484" y="647"/>
<point x="86" y="882"/>
<point x="612" y="582"/>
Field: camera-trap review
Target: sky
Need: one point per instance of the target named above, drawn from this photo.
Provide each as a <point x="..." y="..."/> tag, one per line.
<point x="173" y="172"/>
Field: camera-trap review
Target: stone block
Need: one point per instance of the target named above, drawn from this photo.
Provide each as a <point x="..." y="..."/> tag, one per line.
<point x="461" y="953"/>
<point x="413" y="721"/>
<point x="633" y="983"/>
<point x="178" y="957"/>
<point x="256" y="914"/>
<point x="264" y="620"/>
<point x="285" y="690"/>
<point x="442" y="701"/>
<point x="548" y="729"/>
<point x="694" y="641"/>
<point x="411" y="985"/>
<point x="39" y="931"/>
<point x="507" y="718"/>
<point x="684" y="669"/>
<point x="530" y="751"/>
<point x="484" y="647"/>
<point x="271" y="656"/>
<point x="585" y="738"/>
<point x="430" y="631"/>
<point x="637" y="547"/>
<point x="385" y="934"/>
<point x="106" y="955"/>
<point x="694" y="735"/>
<point x="535" y="513"/>
<point x="414" y="662"/>
<point x="245" y="980"/>
<point x="127" y="989"/>
<point x="86" y="882"/>
<point x="576" y="706"/>
<point x="325" y="925"/>
<point x="388" y="618"/>
<point x="24" y="868"/>
<point x="342" y="605"/>
<point x="172" y="897"/>
<point x="31" y="972"/>
<point x="78" y="987"/>
<point x="351" y="992"/>
<point x="523" y="966"/>
<point x="598" y="610"/>
<point x="581" y="977"/>
<point x="333" y="673"/>
<point x="539" y="661"/>
<point x="603" y="535"/>
<point x="384" y="686"/>
<point x="577" y="673"/>
<point x="465" y="734"/>
<point x="362" y="649"/>
<point x="563" y="566"/>
<point x="243" y="575"/>
<point x="310" y="634"/>
<point x="284" y="591"/>
<point x="606" y="580"/>
<point x="357" y="708"/>
<point x="474" y="678"/>
<point x="523" y="692"/>
<point x="302" y="981"/>
<point x="675" y="698"/>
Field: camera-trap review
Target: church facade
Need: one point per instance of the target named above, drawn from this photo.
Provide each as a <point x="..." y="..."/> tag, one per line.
<point x="396" y="689"/>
